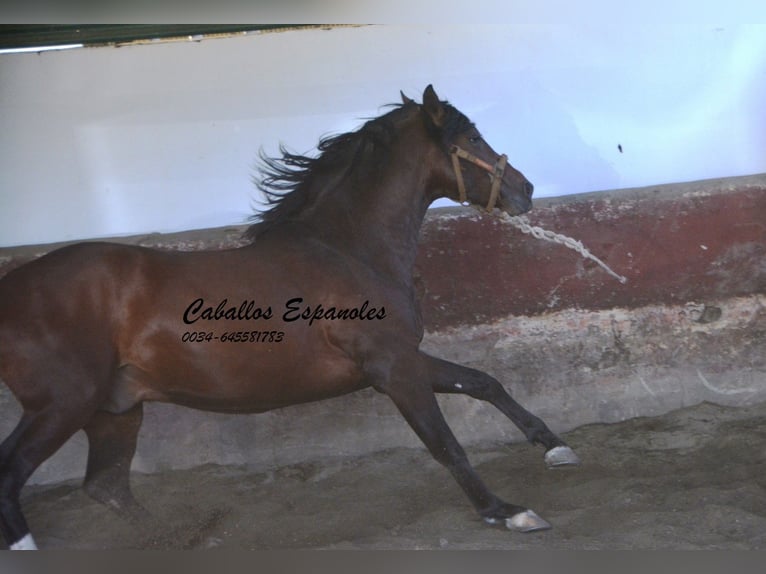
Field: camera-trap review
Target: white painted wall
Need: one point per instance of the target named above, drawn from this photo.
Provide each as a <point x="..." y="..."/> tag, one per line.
<point x="108" y="141"/>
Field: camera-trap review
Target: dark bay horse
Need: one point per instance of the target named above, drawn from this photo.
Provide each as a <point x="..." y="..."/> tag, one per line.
<point x="320" y="303"/>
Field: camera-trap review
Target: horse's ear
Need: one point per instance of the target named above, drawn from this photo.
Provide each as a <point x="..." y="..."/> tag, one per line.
<point x="405" y="99"/>
<point x="433" y="106"/>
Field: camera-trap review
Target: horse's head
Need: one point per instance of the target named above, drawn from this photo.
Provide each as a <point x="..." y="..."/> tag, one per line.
<point x="475" y="173"/>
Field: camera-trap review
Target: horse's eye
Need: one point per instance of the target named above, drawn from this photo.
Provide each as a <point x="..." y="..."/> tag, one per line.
<point x="474" y="139"/>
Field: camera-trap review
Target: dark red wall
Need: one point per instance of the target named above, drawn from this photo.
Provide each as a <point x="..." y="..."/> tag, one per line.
<point x="675" y="243"/>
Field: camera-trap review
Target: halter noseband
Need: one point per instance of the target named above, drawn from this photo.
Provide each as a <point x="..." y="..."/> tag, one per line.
<point x="496" y="173"/>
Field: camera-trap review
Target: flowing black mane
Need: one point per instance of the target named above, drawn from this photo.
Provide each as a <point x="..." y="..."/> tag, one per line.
<point x="286" y="181"/>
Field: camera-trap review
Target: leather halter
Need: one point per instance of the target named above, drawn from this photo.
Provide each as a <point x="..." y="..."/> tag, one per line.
<point x="496" y="173"/>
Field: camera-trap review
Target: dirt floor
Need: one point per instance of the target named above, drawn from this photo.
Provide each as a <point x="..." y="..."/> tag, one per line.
<point x="694" y="478"/>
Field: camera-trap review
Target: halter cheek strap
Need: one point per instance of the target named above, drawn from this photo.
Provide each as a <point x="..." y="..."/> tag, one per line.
<point x="496" y="174"/>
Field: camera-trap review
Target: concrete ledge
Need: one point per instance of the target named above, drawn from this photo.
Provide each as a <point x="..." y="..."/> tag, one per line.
<point x="567" y="340"/>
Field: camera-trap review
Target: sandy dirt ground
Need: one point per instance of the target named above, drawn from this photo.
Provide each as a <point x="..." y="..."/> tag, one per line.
<point x="691" y="479"/>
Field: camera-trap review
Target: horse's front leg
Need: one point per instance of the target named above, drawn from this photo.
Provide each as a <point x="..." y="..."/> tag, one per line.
<point x="408" y="384"/>
<point x="453" y="378"/>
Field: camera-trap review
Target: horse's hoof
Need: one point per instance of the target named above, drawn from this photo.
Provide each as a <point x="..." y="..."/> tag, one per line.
<point x="561" y="456"/>
<point x="526" y="521"/>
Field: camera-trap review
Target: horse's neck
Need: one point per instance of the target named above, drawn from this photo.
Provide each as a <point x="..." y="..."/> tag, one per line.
<point x="378" y="223"/>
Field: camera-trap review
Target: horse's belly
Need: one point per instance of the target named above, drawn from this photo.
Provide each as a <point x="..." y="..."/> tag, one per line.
<point x="265" y="389"/>
<point x="239" y="379"/>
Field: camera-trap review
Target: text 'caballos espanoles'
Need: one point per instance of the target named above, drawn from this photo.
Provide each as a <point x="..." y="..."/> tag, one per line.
<point x="294" y="310"/>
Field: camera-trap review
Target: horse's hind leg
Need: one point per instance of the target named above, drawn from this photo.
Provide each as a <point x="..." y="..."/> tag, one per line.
<point x="10" y="515"/>
<point x="454" y="378"/>
<point x="37" y="436"/>
<point x="112" y="443"/>
<point x="7" y="446"/>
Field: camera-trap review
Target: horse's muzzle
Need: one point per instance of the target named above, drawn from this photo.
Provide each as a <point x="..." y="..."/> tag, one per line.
<point x="518" y="203"/>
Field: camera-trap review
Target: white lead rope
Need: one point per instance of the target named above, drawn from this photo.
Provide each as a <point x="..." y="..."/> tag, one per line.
<point x="521" y="223"/>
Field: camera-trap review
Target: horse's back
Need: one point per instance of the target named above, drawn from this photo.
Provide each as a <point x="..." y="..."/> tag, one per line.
<point x="67" y="281"/>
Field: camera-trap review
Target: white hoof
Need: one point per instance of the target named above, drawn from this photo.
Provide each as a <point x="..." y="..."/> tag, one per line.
<point x="26" y="543"/>
<point x="561" y="456"/>
<point x="526" y="521"/>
